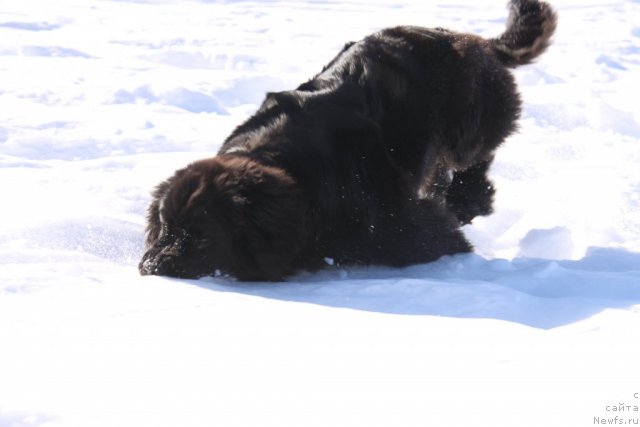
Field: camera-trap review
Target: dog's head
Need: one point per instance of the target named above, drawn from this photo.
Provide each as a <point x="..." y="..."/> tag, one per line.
<point x="227" y="214"/>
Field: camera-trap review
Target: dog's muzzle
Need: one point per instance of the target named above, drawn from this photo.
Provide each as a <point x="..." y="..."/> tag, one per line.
<point x="163" y="262"/>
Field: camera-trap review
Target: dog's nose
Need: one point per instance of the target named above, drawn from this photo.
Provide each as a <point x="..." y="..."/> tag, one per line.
<point x="164" y="265"/>
<point x="156" y="264"/>
<point x="148" y="265"/>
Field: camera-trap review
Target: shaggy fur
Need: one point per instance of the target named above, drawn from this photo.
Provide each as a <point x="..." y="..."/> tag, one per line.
<point x="377" y="160"/>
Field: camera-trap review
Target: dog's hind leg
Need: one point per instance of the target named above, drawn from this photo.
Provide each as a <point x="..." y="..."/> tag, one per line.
<point x="420" y="232"/>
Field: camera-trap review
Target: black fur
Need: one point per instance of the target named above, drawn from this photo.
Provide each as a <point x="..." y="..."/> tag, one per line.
<point x="376" y="160"/>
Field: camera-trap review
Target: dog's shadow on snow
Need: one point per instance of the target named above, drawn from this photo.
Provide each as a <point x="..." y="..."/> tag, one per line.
<point x="539" y="293"/>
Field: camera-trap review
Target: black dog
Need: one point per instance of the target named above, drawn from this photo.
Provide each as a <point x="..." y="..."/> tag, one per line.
<point x="376" y="160"/>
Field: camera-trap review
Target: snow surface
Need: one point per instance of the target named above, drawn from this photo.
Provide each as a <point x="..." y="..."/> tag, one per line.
<point x="101" y="99"/>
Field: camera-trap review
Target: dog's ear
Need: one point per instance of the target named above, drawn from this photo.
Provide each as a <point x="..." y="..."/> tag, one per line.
<point x="154" y="220"/>
<point x="268" y="220"/>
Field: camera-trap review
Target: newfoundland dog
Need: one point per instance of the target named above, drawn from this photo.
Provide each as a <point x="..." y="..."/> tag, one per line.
<point x="376" y="160"/>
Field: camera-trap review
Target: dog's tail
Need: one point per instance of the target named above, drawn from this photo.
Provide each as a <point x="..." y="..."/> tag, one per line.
<point x="530" y="26"/>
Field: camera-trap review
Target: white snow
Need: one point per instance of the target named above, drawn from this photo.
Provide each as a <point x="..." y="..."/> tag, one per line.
<point x="102" y="99"/>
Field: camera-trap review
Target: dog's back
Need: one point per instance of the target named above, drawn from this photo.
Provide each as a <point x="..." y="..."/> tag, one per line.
<point x="434" y="95"/>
